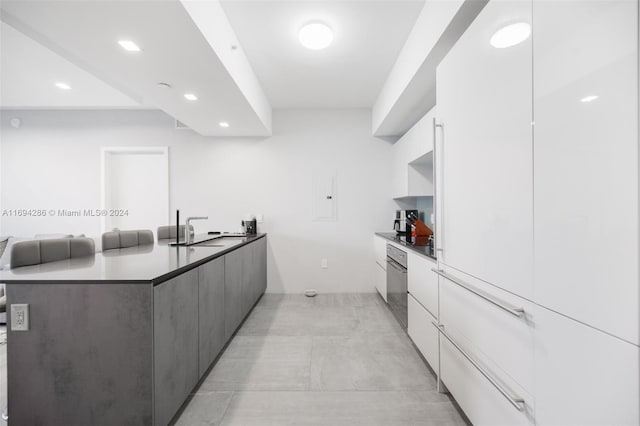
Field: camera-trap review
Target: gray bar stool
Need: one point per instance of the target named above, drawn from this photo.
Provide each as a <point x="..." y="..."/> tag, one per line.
<point x="123" y="239"/>
<point x="36" y="252"/>
<point x="169" y="232"/>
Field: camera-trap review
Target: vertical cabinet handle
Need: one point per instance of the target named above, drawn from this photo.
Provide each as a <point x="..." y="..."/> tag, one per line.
<point x="437" y="220"/>
<point x="517" y="402"/>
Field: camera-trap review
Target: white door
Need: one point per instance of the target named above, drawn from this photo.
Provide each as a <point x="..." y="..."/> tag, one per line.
<point x="136" y="188"/>
<point x="586" y="162"/>
<point x="485" y="171"/>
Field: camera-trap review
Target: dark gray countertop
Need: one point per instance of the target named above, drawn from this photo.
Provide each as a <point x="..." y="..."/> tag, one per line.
<point x="141" y="264"/>
<point x="422" y="250"/>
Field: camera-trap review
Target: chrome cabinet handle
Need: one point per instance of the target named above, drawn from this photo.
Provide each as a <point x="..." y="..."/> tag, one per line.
<point x="393" y="265"/>
<point x="515" y="311"/>
<point x="435" y="182"/>
<point x="517" y="402"/>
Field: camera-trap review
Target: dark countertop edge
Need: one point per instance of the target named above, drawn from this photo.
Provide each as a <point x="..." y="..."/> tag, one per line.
<point x="154" y="281"/>
<point x="408" y="246"/>
<point x="187" y="268"/>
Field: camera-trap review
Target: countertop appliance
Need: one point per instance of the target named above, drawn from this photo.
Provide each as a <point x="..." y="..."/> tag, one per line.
<point x="397" y="283"/>
<point x="403" y="221"/>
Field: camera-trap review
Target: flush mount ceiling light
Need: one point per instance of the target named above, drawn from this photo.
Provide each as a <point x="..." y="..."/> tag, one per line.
<point x="511" y="35"/>
<point x="223" y="124"/>
<point x="589" y="98"/>
<point x="129" y="46"/>
<point x="315" y="36"/>
<point x="190" y="97"/>
<point x="63" y="86"/>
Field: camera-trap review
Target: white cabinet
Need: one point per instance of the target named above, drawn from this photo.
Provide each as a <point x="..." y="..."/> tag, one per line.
<point x="421" y="330"/>
<point x="586" y="162"/>
<point x="584" y="376"/>
<point x="412" y="160"/>
<point x="486" y="319"/>
<point x="380" y="267"/>
<point x="481" y="401"/>
<point x="484" y="102"/>
<point x="422" y="282"/>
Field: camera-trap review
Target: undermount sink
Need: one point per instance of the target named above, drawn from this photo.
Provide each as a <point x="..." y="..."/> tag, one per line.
<point x="218" y="242"/>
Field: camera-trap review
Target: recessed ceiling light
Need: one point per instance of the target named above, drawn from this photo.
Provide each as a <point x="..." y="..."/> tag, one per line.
<point x="63" y="86"/>
<point x="163" y="85"/>
<point x="129" y="46"/>
<point x="315" y="36"/>
<point x="589" y="98"/>
<point x="190" y="97"/>
<point x="511" y="35"/>
<point x="223" y="124"/>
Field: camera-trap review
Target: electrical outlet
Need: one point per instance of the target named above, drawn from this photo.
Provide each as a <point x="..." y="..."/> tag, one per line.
<point x="259" y="218"/>
<point x="19" y="317"/>
<point x="324" y="264"/>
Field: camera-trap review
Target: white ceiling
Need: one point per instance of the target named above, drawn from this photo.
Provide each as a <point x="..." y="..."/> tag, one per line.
<point x="174" y="50"/>
<point x="29" y="71"/>
<point x="368" y="36"/>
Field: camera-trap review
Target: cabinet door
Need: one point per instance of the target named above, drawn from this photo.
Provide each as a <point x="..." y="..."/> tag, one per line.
<point x="175" y="343"/>
<point x="586" y="162"/>
<point x="422" y="282"/>
<point x="249" y="277"/>
<point x="233" y="268"/>
<point x="484" y="102"/>
<point x="423" y="333"/>
<point x="211" y="312"/>
<point x="380" y="280"/>
<point x="583" y="376"/>
<point x="260" y="248"/>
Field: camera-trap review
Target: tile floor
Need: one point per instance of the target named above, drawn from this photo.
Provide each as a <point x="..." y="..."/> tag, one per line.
<point x="330" y="360"/>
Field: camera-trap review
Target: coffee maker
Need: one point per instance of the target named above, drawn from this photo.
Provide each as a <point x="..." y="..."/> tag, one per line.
<point x="403" y="221"/>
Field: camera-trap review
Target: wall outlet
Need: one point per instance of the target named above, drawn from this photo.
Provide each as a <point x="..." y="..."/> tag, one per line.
<point x="259" y="218"/>
<point x="324" y="264"/>
<point x="19" y="317"/>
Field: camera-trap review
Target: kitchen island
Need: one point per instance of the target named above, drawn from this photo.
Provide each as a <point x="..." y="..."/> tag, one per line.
<point x="123" y="337"/>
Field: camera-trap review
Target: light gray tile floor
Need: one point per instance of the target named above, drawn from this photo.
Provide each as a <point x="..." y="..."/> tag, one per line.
<point x="330" y="360"/>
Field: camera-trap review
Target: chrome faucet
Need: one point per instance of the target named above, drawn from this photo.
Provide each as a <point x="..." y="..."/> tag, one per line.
<point x="187" y="228"/>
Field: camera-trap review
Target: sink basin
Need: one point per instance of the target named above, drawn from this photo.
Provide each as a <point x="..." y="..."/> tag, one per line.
<point x="218" y="242"/>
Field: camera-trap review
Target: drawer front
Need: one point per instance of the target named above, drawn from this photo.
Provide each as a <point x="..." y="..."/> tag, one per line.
<point x="423" y="333"/>
<point x="381" y="280"/>
<point x="584" y="376"/>
<point x="423" y="282"/>
<point x="481" y="401"/>
<point x="495" y="335"/>
<point x="380" y="250"/>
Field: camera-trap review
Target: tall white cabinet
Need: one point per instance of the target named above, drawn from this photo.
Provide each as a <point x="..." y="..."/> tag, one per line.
<point x="586" y="212"/>
<point x="538" y="195"/>
<point x="586" y="162"/>
<point x="484" y="104"/>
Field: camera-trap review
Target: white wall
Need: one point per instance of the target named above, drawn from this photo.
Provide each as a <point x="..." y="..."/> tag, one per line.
<point x="53" y="162"/>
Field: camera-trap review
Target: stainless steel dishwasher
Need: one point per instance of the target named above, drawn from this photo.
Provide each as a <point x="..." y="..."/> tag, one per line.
<point x="397" y="283"/>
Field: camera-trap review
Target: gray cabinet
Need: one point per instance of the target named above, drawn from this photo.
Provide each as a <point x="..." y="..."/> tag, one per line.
<point x="258" y="269"/>
<point x="211" y="312"/>
<point x="175" y="343"/>
<point x="254" y="278"/>
<point x="248" y="278"/>
<point x="260" y="248"/>
<point x="233" y="313"/>
<point x="245" y="281"/>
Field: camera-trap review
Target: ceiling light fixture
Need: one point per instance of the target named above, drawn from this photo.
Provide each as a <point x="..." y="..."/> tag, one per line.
<point x="315" y="36"/>
<point x="223" y="124"/>
<point x="129" y="46"/>
<point x="589" y="98"/>
<point x="63" y="86"/>
<point x="511" y="35"/>
<point x="190" y="97"/>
